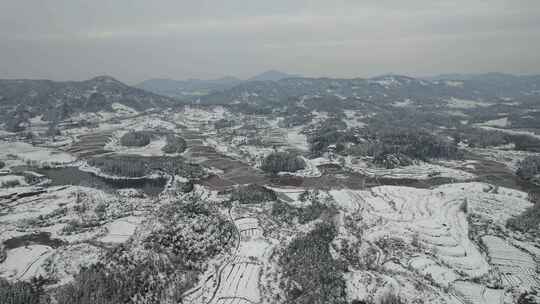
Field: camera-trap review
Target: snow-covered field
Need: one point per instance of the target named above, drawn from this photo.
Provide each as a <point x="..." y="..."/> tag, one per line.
<point x="511" y="131"/>
<point x="120" y="230"/>
<point x="419" y="171"/>
<point x="31" y="211"/>
<point x="237" y="280"/>
<point x="297" y="139"/>
<point x="497" y="123"/>
<point x="6" y="180"/>
<point x="435" y="222"/>
<point x="25" y="262"/>
<point x="20" y="153"/>
<point x="515" y="267"/>
<point x="470" y="292"/>
<point x="466" y="104"/>
<point x="65" y="262"/>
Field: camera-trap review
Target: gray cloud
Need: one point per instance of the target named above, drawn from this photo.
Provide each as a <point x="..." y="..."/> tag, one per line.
<point x="134" y="40"/>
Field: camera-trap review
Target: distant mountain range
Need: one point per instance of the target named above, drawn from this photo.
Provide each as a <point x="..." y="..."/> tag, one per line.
<point x="272" y="75"/>
<point x="23" y="99"/>
<point x="20" y="100"/>
<point x="387" y="87"/>
<point x="186" y="88"/>
<point x="484" y="76"/>
<point x="199" y="87"/>
<point x="274" y="86"/>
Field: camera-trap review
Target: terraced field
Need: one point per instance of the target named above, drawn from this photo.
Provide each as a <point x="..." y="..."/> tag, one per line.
<point x="92" y="144"/>
<point x="249" y="228"/>
<point x="236" y="281"/>
<point x="436" y="217"/>
<point x="435" y="222"/>
<point x="472" y="293"/>
<point x="240" y="282"/>
<point x="239" y="279"/>
<point x="515" y="267"/>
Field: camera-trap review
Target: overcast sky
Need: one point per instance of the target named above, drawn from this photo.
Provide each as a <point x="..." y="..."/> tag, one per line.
<point x="134" y="39"/>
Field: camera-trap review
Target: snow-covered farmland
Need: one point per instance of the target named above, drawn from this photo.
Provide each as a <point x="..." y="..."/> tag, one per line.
<point x="120" y="230"/>
<point x="466" y="104"/>
<point x="248" y="228"/>
<point x="498" y="123"/>
<point x="478" y="294"/>
<point x="20" y="153"/>
<point x="515" y="267"/>
<point x="435" y="222"/>
<point x="420" y="171"/>
<point x="50" y="231"/>
<point x="24" y="262"/>
<point x="237" y="279"/>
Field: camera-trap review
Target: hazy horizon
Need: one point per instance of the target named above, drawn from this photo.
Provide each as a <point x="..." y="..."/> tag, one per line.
<point x="139" y="40"/>
<point x="134" y="83"/>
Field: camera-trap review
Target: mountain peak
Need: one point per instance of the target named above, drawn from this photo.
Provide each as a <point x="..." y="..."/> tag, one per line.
<point x="272" y="75"/>
<point x="105" y="79"/>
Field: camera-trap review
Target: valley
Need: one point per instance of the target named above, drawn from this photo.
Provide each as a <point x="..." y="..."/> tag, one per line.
<point x="295" y="190"/>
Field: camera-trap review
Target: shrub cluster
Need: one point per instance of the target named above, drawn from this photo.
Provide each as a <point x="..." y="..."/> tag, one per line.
<point x="136" y="138"/>
<point x="224" y="123"/>
<point x="151" y="279"/>
<point x="312" y="275"/>
<point x="282" y="162"/>
<point x="175" y="144"/>
<point x="392" y="148"/>
<point x="529" y="220"/>
<point x="332" y="131"/>
<point x="192" y="232"/>
<point x="529" y="168"/>
<point x="138" y="166"/>
<point x="482" y="138"/>
<point x="21" y="292"/>
<point x="120" y="166"/>
<point x="253" y="194"/>
<point x="387" y="298"/>
<point x="287" y="213"/>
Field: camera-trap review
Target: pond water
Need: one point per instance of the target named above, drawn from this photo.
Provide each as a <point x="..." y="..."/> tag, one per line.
<point x="41" y="238"/>
<point x="74" y="176"/>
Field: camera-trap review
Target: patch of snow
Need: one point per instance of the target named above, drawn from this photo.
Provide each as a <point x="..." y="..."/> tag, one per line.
<point x="121" y="230"/>
<point x="6" y="179"/>
<point x="452" y="83"/>
<point x="440" y="274"/>
<point x="500" y="122"/>
<point x="123" y="110"/>
<point x="474" y="293"/>
<point x="25" y="262"/>
<point x="404" y="103"/>
<point x="26" y="153"/>
<point x="466" y="104"/>
<point x="421" y="170"/>
<point x="297" y="139"/>
<point x="512" y="132"/>
<point x="66" y="261"/>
